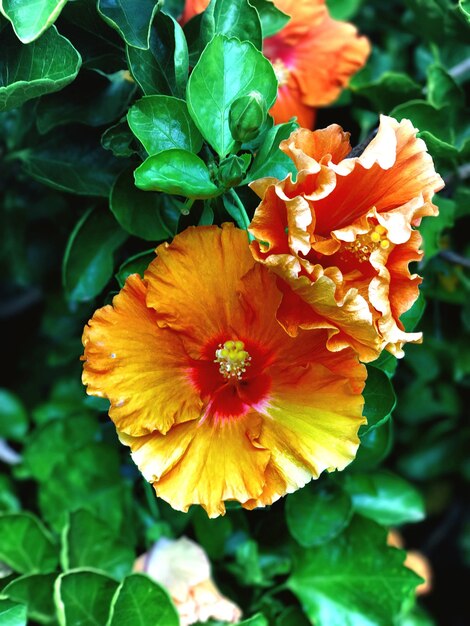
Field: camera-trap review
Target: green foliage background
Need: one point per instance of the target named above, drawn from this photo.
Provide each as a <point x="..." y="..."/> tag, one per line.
<point x="74" y="511"/>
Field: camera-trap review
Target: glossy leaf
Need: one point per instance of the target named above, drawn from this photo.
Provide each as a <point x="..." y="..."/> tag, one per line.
<point x="233" y="18"/>
<point x="136" y="264"/>
<point x="143" y="214"/>
<point x="163" y="122"/>
<point x="13" y="416"/>
<point x="269" y="159"/>
<point x="227" y="69"/>
<point x="131" y="18"/>
<point x="36" y="592"/>
<point x="88" y="261"/>
<point x="142" y="602"/>
<point x="12" y="613"/>
<point x="375" y="446"/>
<point x="26" y="546"/>
<point x="83" y="597"/>
<point x="379" y="398"/>
<point x="354" y="579"/>
<point x="176" y="172"/>
<point x="29" y="21"/>
<point x="41" y="67"/>
<point x="272" y="19"/>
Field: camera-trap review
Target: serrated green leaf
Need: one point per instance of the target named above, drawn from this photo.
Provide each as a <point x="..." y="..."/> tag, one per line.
<point x="13" y="416"/>
<point x="177" y="172"/>
<point x="146" y="215"/>
<point x="132" y="19"/>
<point x="269" y="159"/>
<point x="233" y="18"/>
<point x="272" y="19"/>
<point x="30" y="20"/>
<point x="163" y="122"/>
<point x="379" y="397"/>
<point x="317" y="515"/>
<point x="142" y="602"/>
<point x="88" y="260"/>
<point x="41" y="67"/>
<point x="385" y="498"/>
<point x="89" y="542"/>
<point x="227" y="69"/>
<point x="355" y="579"/>
<point x="136" y="264"/>
<point x="12" y="613"/>
<point x="26" y="546"/>
<point x="36" y="592"/>
<point x="83" y="597"/>
<point x="164" y="67"/>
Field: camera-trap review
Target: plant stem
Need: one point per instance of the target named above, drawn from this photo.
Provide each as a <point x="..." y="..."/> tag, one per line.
<point x="246" y="220"/>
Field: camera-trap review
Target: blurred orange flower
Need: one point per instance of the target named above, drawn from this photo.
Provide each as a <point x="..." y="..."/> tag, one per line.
<point x="313" y="56"/>
<point x="341" y="235"/>
<point x="415" y="561"/>
<point x="214" y="399"/>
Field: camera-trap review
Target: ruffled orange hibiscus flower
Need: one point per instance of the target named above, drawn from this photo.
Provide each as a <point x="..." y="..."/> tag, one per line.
<point x="216" y="401"/>
<point x="313" y="56"/>
<point x="341" y="235"/>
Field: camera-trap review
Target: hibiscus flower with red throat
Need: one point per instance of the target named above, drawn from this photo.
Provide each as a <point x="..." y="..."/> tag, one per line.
<point x="216" y="401"/>
<point x="313" y="56"/>
<point x="341" y="235"/>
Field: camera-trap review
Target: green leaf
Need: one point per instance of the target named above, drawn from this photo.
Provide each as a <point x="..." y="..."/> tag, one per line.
<point x="36" y="592"/>
<point x="26" y="546"/>
<point x="119" y="140"/>
<point x="78" y="165"/>
<point x="212" y="534"/>
<point x="234" y="207"/>
<point x="89" y="542"/>
<point x="388" y="91"/>
<point x="386" y="362"/>
<point x="315" y="515"/>
<point x="355" y="579"/>
<point x="385" y="498"/>
<point x="233" y="18"/>
<point x="164" y="67"/>
<point x="136" y="264"/>
<point x="343" y="9"/>
<point x="9" y="503"/>
<point x="272" y="19"/>
<point x="269" y="159"/>
<point x="142" y="602"/>
<point x="146" y="215"/>
<point x="131" y="18"/>
<point x="375" y="446"/>
<point x="411" y="318"/>
<point x="88" y="261"/>
<point x="227" y="69"/>
<point x="177" y="172"/>
<point x="432" y="229"/>
<point x="13" y="416"/>
<point x="83" y="598"/>
<point x="439" y="21"/>
<point x="442" y="89"/>
<point x="12" y="614"/>
<point x="31" y="20"/>
<point x="44" y="66"/>
<point x="163" y="122"/>
<point x="255" y="620"/>
<point x="379" y="397"/>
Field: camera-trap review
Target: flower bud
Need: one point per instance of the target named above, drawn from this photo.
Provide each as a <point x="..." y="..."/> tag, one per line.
<point x="232" y="169"/>
<point x="247" y="115"/>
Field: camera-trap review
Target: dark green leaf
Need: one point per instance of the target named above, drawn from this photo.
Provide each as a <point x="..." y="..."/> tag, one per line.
<point x="89" y="542"/>
<point x="256" y="620"/>
<point x="12" y="614"/>
<point x="354" y="579"/>
<point x="390" y="90"/>
<point x="385" y="498"/>
<point x="9" y="502"/>
<point x="26" y="546"/>
<point x="83" y="598"/>
<point x="233" y="18"/>
<point x="272" y="19"/>
<point x="177" y="172"/>
<point x="29" y="22"/>
<point x="269" y="159"/>
<point x="411" y="318"/>
<point x="131" y="18"/>
<point x="212" y="534"/>
<point x="432" y="229"/>
<point x="374" y="448"/>
<point x="36" y="591"/>
<point x="88" y="261"/>
<point x="386" y="362"/>
<point x="163" y="122"/>
<point x="13" y="416"/>
<point x="343" y="9"/>
<point x="316" y="515"/>
<point x="142" y="602"/>
<point x="234" y="207"/>
<point x="31" y="71"/>
<point x="143" y="214"/>
<point x="227" y="69"/>
<point x="379" y="399"/>
<point x="136" y="264"/>
<point x="442" y="89"/>
<point x="119" y="140"/>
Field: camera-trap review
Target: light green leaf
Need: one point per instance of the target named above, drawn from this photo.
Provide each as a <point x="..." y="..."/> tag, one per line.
<point x="13" y="416"/>
<point x="269" y="159"/>
<point x="31" y="71"/>
<point x="177" y="172"/>
<point x="131" y="18"/>
<point x="233" y="18"/>
<point x="227" y="69"/>
<point x="315" y="515"/>
<point x="31" y="19"/>
<point x="379" y="397"/>
<point x="83" y="597"/>
<point x="142" y="602"/>
<point x="36" y="592"/>
<point x="147" y="215"/>
<point x="12" y="614"/>
<point x="353" y="580"/>
<point x="89" y="542"/>
<point x="26" y="546"/>
<point x="163" y="122"/>
<point x="88" y="261"/>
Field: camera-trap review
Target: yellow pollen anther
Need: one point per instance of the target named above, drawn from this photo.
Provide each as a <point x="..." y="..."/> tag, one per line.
<point x="375" y="237"/>
<point x="281" y="71"/>
<point x="380" y="229"/>
<point x="363" y="246"/>
<point x="385" y="244"/>
<point x="233" y="359"/>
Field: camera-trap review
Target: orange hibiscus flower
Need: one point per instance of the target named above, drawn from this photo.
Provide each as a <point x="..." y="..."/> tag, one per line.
<point x="313" y="56"/>
<point x="214" y="399"/>
<point x="341" y="235"/>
